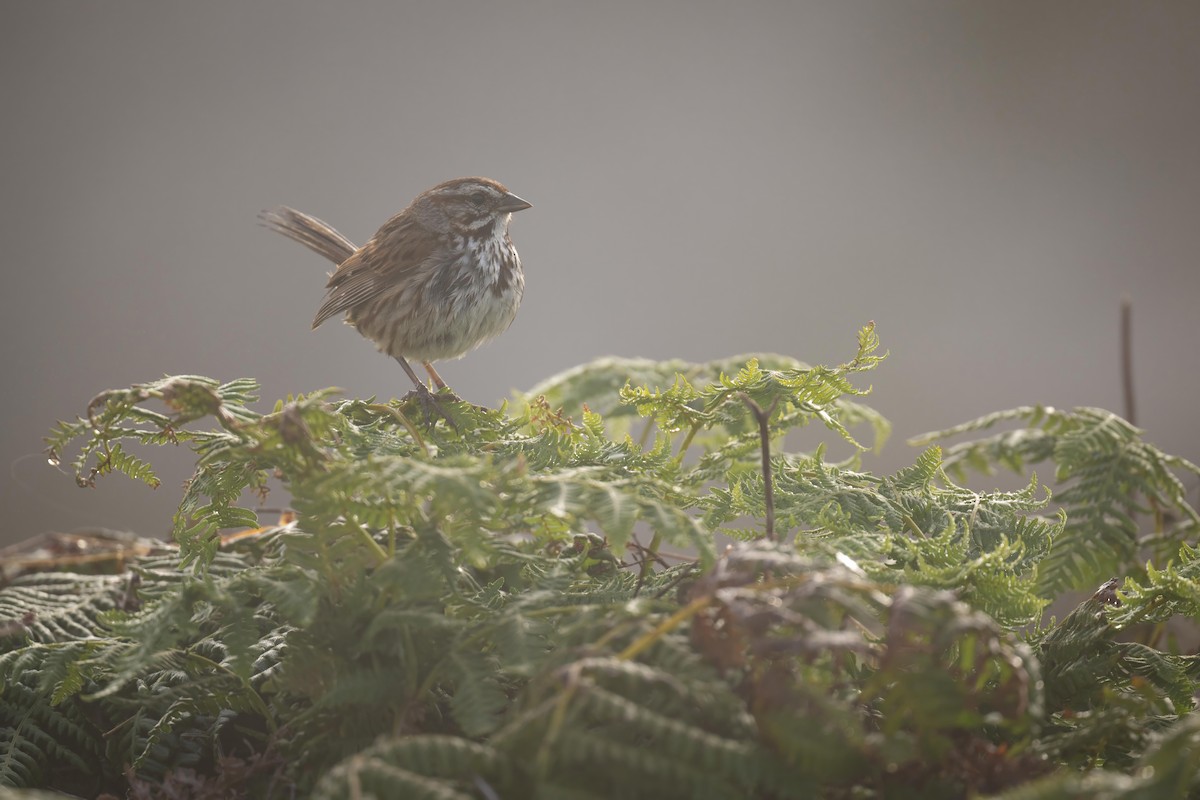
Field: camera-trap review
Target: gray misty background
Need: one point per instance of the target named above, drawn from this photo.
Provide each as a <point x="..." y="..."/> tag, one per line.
<point x="984" y="180"/>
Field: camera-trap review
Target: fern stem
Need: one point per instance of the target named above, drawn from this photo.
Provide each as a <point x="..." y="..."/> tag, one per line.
<point x="665" y="627"/>
<point x="380" y="553"/>
<point x="687" y="442"/>
<point x="542" y="759"/>
<point x="256" y="700"/>
<point x="647" y="560"/>
<point x="395" y="413"/>
<point x="764" y="432"/>
<point x="645" y="435"/>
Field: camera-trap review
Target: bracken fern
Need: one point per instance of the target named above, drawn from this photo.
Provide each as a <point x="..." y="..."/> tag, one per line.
<point x="531" y="602"/>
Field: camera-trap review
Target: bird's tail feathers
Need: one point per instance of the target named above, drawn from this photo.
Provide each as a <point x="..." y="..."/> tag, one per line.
<point x="311" y="232"/>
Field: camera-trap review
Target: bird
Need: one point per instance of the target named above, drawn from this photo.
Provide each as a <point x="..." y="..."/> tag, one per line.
<point x="436" y="280"/>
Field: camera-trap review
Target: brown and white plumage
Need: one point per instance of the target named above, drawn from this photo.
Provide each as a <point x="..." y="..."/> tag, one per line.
<point x="434" y="282"/>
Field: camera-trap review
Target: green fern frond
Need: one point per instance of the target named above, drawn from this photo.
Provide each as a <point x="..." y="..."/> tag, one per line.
<point x="1169" y="592"/>
<point x="499" y="607"/>
<point x="429" y="766"/>
<point x="59" y="606"/>
<point x="1108" y="476"/>
<point x="37" y="736"/>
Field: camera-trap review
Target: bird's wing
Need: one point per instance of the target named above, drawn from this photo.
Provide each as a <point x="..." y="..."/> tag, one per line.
<point x="401" y="246"/>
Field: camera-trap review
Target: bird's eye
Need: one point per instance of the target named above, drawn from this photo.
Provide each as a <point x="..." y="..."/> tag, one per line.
<point x="477" y="199"/>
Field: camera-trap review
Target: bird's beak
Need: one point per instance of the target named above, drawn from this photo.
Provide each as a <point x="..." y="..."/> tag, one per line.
<point x="511" y="202"/>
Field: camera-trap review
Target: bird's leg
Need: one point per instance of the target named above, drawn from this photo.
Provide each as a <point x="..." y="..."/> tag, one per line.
<point x="412" y="375"/>
<point x="429" y="403"/>
<point x="438" y="382"/>
<point x="437" y="379"/>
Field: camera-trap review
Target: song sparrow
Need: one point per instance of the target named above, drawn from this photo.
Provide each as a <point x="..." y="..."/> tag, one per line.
<point x="436" y="281"/>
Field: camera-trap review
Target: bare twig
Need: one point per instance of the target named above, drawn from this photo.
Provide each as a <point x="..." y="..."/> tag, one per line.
<point x="1127" y="359"/>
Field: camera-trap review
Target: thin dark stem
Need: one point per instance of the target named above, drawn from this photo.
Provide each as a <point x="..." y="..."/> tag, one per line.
<point x="683" y="575"/>
<point x="1127" y="359"/>
<point x="649" y="555"/>
<point x="764" y="433"/>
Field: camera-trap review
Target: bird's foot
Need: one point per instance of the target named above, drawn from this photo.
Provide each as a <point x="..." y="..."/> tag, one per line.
<point x="431" y="406"/>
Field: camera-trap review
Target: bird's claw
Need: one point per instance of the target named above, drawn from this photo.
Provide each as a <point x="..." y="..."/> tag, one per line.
<point x="431" y="407"/>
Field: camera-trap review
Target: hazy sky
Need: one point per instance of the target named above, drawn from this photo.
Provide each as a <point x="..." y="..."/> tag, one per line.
<point x="982" y="179"/>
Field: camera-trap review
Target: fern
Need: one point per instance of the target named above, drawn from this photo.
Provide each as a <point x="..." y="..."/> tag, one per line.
<point x="532" y="602"/>
<point x="435" y="767"/>
<point x="59" y="607"/>
<point x="40" y="733"/>
<point x="1108" y="477"/>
